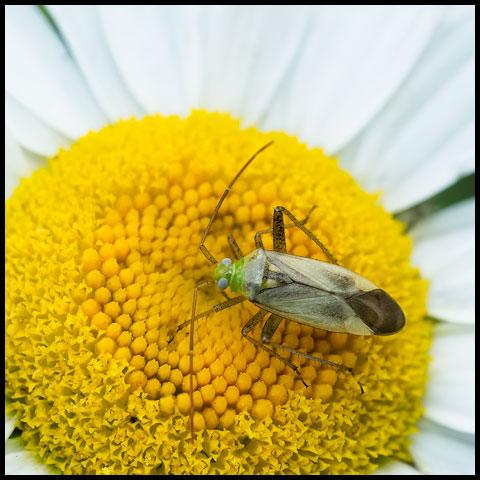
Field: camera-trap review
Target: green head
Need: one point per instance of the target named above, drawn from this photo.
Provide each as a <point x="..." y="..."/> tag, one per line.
<point x="222" y="274"/>
<point x="228" y="274"/>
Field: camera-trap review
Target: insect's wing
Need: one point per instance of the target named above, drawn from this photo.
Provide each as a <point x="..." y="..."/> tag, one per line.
<point x="311" y="306"/>
<point x="324" y="276"/>
<point x="328" y="296"/>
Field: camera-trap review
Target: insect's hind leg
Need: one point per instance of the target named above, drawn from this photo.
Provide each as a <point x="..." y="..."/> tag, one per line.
<point x="279" y="230"/>
<point x="258" y="235"/>
<point x="311" y="357"/>
<point x="270" y="328"/>
<point x="251" y="324"/>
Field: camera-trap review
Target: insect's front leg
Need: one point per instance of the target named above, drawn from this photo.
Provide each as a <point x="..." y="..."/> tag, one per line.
<point x="221" y="306"/>
<point x="201" y="285"/>
<point x="227" y="304"/>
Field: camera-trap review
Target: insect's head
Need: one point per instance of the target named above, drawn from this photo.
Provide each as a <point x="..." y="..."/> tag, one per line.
<point x="223" y="273"/>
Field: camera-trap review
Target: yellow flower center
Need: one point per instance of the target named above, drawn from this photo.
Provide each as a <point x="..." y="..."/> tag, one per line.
<point x="101" y="261"/>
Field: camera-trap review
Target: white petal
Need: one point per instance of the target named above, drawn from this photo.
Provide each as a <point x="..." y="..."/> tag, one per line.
<point x="82" y="29"/>
<point x="353" y="60"/>
<point x="394" y="467"/>
<point x="248" y="52"/>
<point x="142" y="39"/>
<point x="440" y="451"/>
<point x="450" y="397"/>
<point x="423" y="140"/>
<point x="18" y="164"/>
<point x="10" y="420"/>
<point x="445" y="252"/>
<point x="30" y="131"/>
<point x="41" y="75"/>
<point x="19" y="461"/>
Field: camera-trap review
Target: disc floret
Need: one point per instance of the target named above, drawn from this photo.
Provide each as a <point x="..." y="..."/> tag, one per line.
<point x="101" y="259"/>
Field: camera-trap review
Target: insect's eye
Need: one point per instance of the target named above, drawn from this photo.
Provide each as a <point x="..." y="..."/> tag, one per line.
<point x="226" y="261"/>
<point x="223" y="283"/>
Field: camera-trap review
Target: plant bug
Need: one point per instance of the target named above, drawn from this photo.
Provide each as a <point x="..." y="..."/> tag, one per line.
<point x="319" y="294"/>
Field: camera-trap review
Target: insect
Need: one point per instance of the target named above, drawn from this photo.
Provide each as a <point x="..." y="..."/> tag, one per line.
<point x="320" y="294"/>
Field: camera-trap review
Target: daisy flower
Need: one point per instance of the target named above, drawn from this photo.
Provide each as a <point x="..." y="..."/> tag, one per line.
<point x="145" y="114"/>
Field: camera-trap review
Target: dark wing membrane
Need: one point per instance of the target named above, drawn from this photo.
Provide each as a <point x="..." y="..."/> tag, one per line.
<point x="307" y="305"/>
<point x="379" y="311"/>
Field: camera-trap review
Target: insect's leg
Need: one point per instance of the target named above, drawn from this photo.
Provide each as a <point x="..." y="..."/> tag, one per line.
<point x="237" y="253"/>
<point x="258" y="235"/>
<point x="253" y="322"/>
<point x="270" y="327"/>
<point x="311" y="357"/>
<point x="203" y="284"/>
<point x="250" y="325"/>
<point x="258" y="238"/>
<point x="278" y="213"/>
<point x="221" y="306"/>
<point x="268" y="331"/>
<point x="216" y="308"/>
<point x="279" y="242"/>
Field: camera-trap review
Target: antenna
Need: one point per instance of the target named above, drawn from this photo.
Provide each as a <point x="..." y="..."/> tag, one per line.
<point x="203" y="248"/>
